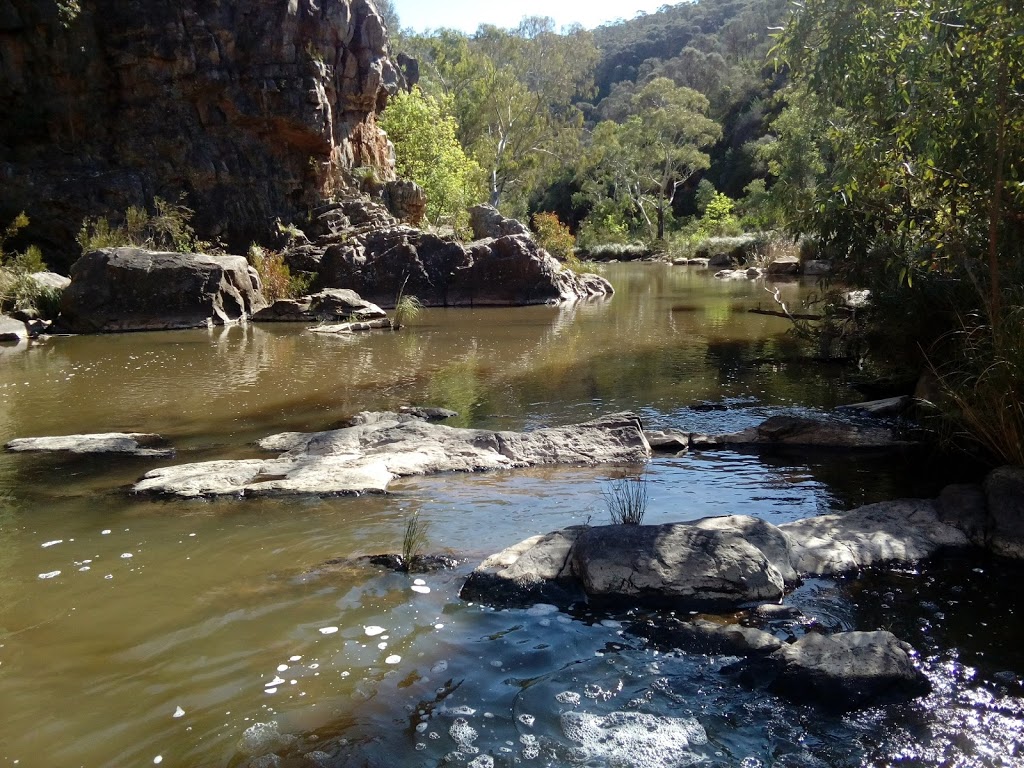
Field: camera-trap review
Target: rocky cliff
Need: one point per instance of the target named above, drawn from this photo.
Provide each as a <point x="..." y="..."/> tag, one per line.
<point x="254" y="109"/>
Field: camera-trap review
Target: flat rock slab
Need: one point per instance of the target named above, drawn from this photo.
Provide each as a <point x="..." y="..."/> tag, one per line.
<point x="904" y="530"/>
<point x="846" y="671"/>
<point x="706" y="563"/>
<point x="379" y="447"/>
<point x="782" y="432"/>
<point x="128" y="443"/>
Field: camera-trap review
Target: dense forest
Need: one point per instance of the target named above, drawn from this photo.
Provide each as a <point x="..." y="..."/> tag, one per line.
<point x="885" y="137"/>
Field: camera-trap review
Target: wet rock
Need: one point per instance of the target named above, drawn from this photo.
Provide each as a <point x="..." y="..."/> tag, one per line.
<point x="378" y="447"/>
<point x="427" y="412"/>
<point x="964" y="507"/>
<point x="846" y="671"/>
<point x="388" y="561"/>
<point x="1004" y="494"/>
<point x="487" y="222"/>
<point x="900" y="531"/>
<point x="712" y="562"/>
<point x="330" y="305"/>
<point x="12" y="330"/>
<point x="889" y="406"/>
<point x="353" y="327"/>
<point x="799" y="432"/>
<point x="130" y="443"/>
<point x="703" y="636"/>
<point x="674" y="442"/>
<point x="131" y="289"/>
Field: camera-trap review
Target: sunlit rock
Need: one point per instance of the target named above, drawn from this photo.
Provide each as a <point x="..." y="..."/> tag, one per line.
<point x="130" y="443"/>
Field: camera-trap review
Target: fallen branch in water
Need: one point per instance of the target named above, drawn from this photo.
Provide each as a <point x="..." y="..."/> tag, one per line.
<point x="785" y="315"/>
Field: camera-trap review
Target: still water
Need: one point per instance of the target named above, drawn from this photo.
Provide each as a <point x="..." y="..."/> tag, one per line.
<point x="138" y="631"/>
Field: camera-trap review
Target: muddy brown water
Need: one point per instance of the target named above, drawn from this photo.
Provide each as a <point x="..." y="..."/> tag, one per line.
<point x="138" y="631"/>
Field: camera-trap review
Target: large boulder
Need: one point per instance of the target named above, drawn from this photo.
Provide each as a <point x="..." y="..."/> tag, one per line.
<point x="712" y="562"/>
<point x="381" y="264"/>
<point x="900" y="531"/>
<point x="487" y="222"/>
<point x="846" y="671"/>
<point x="251" y="108"/>
<point x="131" y="289"/>
<point x="12" y="330"/>
<point x="378" y="447"/>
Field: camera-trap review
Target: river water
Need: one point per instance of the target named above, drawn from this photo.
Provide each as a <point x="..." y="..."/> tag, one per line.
<point x="138" y="631"/>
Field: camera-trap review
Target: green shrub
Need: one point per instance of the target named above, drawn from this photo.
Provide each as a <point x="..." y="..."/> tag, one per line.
<point x="169" y="228"/>
<point x="555" y="238"/>
<point x="275" y="277"/>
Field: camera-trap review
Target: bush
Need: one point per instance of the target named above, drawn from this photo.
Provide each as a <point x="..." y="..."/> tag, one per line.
<point x="277" y="280"/>
<point x="555" y="237"/>
<point x="170" y="228"/>
<point x="18" y="290"/>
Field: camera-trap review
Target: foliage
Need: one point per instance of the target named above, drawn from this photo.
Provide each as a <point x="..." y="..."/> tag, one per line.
<point x="627" y="500"/>
<point x="554" y="237"/>
<point x="18" y="289"/>
<point x="277" y="280"/>
<point x="902" y="152"/>
<point x="406" y="308"/>
<point x="718" y="219"/>
<point x="511" y="93"/>
<point x="643" y="162"/>
<point x="428" y="152"/>
<point x="414" y="540"/>
<point x="170" y="227"/>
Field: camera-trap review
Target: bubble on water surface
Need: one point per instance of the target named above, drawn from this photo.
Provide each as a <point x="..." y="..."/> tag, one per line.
<point x="527" y="720"/>
<point x="482" y="761"/>
<point x="381" y="646"/>
<point x="49" y="574"/>
<point x="328" y="630"/>
<point x="275" y="681"/>
<point x="541" y="609"/>
<point x="421" y="727"/>
<point x="439" y="667"/>
<point x="261" y="738"/>
<point x="294" y="658"/>
<point x="282" y="667"/>
<point x="126" y="555"/>
<point x="439" y="626"/>
<point x="393" y="659"/>
<point x="635" y="738"/>
<point x="420" y="588"/>
<point x="419" y="582"/>
<point x="179" y="712"/>
<point x="158" y="759"/>
<point x="105" y="532"/>
<point x="568" y="697"/>
<point x="462" y="732"/>
<point x="46" y="544"/>
<point x="373" y="630"/>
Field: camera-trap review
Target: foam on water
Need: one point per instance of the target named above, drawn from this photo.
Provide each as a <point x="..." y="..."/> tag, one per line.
<point x="373" y="630"/>
<point x="462" y="733"/>
<point x="635" y="738"/>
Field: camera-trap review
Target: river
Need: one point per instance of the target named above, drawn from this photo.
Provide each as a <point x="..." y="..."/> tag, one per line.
<point x="138" y="631"/>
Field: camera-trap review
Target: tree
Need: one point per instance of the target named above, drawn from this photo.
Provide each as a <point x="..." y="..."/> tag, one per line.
<point x="652" y="154"/>
<point x="428" y="152"/>
<point x="512" y="94"/>
<point x="930" y="151"/>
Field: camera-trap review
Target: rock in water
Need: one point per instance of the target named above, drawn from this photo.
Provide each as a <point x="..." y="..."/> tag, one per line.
<point x="847" y="671"/>
<point x="252" y="108"/>
<point x="129" y="443"/>
<point x="130" y="289"/>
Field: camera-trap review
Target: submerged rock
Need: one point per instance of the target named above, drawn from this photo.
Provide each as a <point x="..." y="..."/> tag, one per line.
<point x="331" y="305"/>
<point x="842" y="672"/>
<point x="800" y="432"/>
<point x="703" y="636"/>
<point x="379" y="447"/>
<point x="130" y="443"/>
<point x="131" y="289"/>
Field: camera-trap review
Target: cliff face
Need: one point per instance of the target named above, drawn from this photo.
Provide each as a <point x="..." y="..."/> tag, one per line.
<point x="252" y="108"/>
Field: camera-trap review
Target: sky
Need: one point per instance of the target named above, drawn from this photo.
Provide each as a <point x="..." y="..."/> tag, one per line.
<point x="467" y="15"/>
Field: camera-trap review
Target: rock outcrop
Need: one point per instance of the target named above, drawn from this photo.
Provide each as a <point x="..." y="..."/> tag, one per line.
<point x="366" y="457"/>
<point x="128" y="443"/>
<point x="252" y="109"/>
<point x="130" y="289"/>
<point x="842" y="672"/>
<point x="488" y="223"/>
<point x="715" y="561"/>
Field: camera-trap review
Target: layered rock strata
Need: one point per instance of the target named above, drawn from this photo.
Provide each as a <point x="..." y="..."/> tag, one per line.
<point x="253" y="110"/>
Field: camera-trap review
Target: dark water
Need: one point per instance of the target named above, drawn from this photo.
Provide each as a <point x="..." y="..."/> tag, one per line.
<point x="134" y="629"/>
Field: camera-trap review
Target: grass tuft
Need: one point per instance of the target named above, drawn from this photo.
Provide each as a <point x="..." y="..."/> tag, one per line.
<point x="414" y="541"/>
<point x="627" y="500"/>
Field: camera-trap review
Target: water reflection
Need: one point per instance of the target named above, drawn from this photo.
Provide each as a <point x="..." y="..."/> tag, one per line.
<point x="213" y="609"/>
